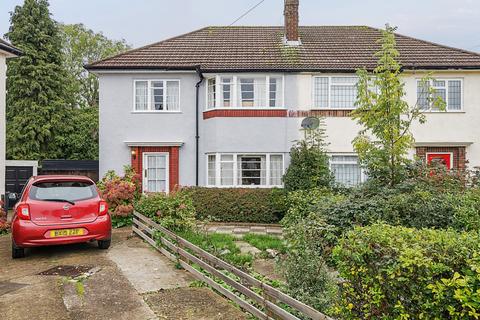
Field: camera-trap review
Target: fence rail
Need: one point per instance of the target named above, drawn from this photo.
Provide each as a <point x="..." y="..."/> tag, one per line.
<point x="187" y="254"/>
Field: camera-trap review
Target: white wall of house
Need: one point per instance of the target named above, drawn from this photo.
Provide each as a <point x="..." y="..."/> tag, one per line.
<point x="3" y="70"/>
<point x="119" y="123"/>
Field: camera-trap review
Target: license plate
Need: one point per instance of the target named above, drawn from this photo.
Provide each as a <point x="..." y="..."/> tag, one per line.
<point x="66" y="233"/>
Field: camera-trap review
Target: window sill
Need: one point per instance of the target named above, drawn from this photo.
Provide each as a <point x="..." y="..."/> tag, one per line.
<point x="247" y="108"/>
<point x="244" y="187"/>
<point x="156" y="112"/>
<point x="443" y="112"/>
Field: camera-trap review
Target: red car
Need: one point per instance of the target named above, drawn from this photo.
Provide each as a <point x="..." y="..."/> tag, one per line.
<point x="55" y="210"/>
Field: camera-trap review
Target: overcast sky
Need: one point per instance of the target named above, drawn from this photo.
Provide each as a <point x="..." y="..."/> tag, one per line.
<point x="140" y="22"/>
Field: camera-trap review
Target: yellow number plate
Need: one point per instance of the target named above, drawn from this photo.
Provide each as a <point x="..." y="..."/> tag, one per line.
<point x="66" y="233"/>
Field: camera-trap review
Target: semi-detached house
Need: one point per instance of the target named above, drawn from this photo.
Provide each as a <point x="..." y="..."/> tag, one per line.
<point x="221" y="106"/>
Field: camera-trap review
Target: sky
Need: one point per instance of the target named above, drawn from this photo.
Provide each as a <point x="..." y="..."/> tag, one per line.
<point x="141" y="22"/>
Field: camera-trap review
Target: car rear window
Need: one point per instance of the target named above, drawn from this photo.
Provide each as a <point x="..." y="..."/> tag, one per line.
<point x="65" y="190"/>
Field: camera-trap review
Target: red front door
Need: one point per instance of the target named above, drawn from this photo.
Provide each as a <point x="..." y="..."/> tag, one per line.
<point x="443" y="158"/>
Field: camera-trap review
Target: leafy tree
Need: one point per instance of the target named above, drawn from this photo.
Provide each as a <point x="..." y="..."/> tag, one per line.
<point x="80" y="141"/>
<point x="36" y="84"/>
<point x="80" y="47"/>
<point x="309" y="166"/>
<point x="383" y="144"/>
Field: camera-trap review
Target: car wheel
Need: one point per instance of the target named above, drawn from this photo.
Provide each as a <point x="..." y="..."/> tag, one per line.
<point x="104" y="244"/>
<point x="17" y="252"/>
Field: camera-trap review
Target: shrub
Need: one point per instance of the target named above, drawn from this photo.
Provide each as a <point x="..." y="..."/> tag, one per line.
<point x="304" y="267"/>
<point x="257" y="205"/>
<point x="309" y="165"/>
<point x="4" y="225"/>
<point x="174" y="211"/>
<point x="406" y="273"/>
<point x="120" y="194"/>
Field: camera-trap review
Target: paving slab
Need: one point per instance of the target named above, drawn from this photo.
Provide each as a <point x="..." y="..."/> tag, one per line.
<point x="147" y="269"/>
<point x="246" y="248"/>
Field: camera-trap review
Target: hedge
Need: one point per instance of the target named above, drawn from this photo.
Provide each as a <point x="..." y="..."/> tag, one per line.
<point x="406" y="273"/>
<point x="253" y="205"/>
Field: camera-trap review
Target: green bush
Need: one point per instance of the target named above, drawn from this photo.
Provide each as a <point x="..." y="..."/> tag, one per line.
<point x="405" y="273"/>
<point x="174" y="211"/>
<point x="309" y="164"/>
<point x="257" y="205"/>
<point x="304" y="266"/>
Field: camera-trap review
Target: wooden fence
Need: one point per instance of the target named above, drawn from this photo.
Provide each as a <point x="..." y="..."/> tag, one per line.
<point x="264" y="302"/>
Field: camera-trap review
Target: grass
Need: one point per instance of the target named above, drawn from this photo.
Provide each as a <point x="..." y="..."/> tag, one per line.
<point x="220" y="245"/>
<point x="264" y="242"/>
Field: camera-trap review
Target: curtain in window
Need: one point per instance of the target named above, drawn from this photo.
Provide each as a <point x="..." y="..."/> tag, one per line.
<point x="276" y="170"/>
<point x="226" y="169"/>
<point x="211" y="95"/>
<point x="212" y="169"/>
<point x="321" y="92"/>
<point x="343" y="92"/>
<point x="226" y="92"/>
<point x="141" y="95"/>
<point x="173" y="94"/>
<point x="454" y="95"/>
<point x="346" y="170"/>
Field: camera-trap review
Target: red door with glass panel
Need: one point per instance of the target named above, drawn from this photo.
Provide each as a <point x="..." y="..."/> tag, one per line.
<point x="442" y="158"/>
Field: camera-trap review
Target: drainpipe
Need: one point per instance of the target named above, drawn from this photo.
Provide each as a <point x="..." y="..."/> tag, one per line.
<point x="197" y="111"/>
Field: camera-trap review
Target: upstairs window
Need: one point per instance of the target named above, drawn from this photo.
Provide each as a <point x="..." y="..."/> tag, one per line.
<point x="335" y="92"/>
<point x="449" y="90"/>
<point x="240" y="92"/>
<point x="157" y="95"/>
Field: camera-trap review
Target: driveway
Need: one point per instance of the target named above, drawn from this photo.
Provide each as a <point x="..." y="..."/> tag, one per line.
<point x="129" y="281"/>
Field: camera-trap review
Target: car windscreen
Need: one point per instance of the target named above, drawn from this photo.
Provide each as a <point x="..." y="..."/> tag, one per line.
<point x="63" y="190"/>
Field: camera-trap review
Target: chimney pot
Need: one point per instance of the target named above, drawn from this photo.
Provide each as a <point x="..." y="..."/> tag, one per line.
<point x="291" y="22"/>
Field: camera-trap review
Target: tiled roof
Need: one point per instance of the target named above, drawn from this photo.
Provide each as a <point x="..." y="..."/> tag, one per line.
<point x="5" y="46"/>
<point x="323" y="48"/>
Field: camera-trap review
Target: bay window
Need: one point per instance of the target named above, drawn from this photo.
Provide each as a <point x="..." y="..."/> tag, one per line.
<point x="157" y="95"/>
<point x="339" y="92"/>
<point x="448" y="90"/>
<point x="244" y="92"/>
<point x="346" y="170"/>
<point x="245" y="170"/>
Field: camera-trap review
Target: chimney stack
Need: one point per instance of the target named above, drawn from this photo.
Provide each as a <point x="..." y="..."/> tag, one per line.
<point x="291" y="22"/>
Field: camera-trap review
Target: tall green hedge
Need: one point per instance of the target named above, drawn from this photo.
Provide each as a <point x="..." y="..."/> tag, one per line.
<point x="406" y="273"/>
<point x="254" y="205"/>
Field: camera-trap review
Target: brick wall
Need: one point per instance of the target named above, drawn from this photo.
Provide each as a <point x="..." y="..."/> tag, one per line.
<point x="244" y="113"/>
<point x="291" y="20"/>
<point x="459" y="155"/>
<point x="173" y="164"/>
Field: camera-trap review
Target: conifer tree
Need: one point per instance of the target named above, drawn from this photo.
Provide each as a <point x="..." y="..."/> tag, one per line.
<point x="37" y="95"/>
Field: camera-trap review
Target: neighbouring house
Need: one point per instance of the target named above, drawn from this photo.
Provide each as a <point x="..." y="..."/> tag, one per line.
<point x="6" y="51"/>
<point x="221" y="106"/>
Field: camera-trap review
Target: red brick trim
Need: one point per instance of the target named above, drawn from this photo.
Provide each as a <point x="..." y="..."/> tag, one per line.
<point x="244" y="113"/>
<point x="173" y="163"/>
<point x="459" y="155"/>
<point x="319" y="113"/>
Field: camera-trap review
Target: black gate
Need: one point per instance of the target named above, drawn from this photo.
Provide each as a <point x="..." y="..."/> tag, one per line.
<point x="15" y="179"/>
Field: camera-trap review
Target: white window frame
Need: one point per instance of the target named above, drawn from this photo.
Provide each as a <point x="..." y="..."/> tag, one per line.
<point x="236" y="168"/>
<point x="446" y="94"/>
<point x="167" y="170"/>
<point x="233" y="93"/>
<point x="149" y="96"/>
<point x="363" y="175"/>
<point x="329" y="96"/>
<point x="449" y="153"/>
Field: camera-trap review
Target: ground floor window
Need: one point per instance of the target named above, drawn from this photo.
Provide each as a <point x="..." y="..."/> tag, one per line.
<point x="245" y="170"/>
<point x="347" y="170"/>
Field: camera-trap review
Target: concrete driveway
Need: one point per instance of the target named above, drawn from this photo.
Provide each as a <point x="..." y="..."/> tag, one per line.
<point x="128" y="281"/>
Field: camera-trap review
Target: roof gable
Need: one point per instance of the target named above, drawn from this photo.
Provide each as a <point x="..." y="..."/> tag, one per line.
<point x="258" y="48"/>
